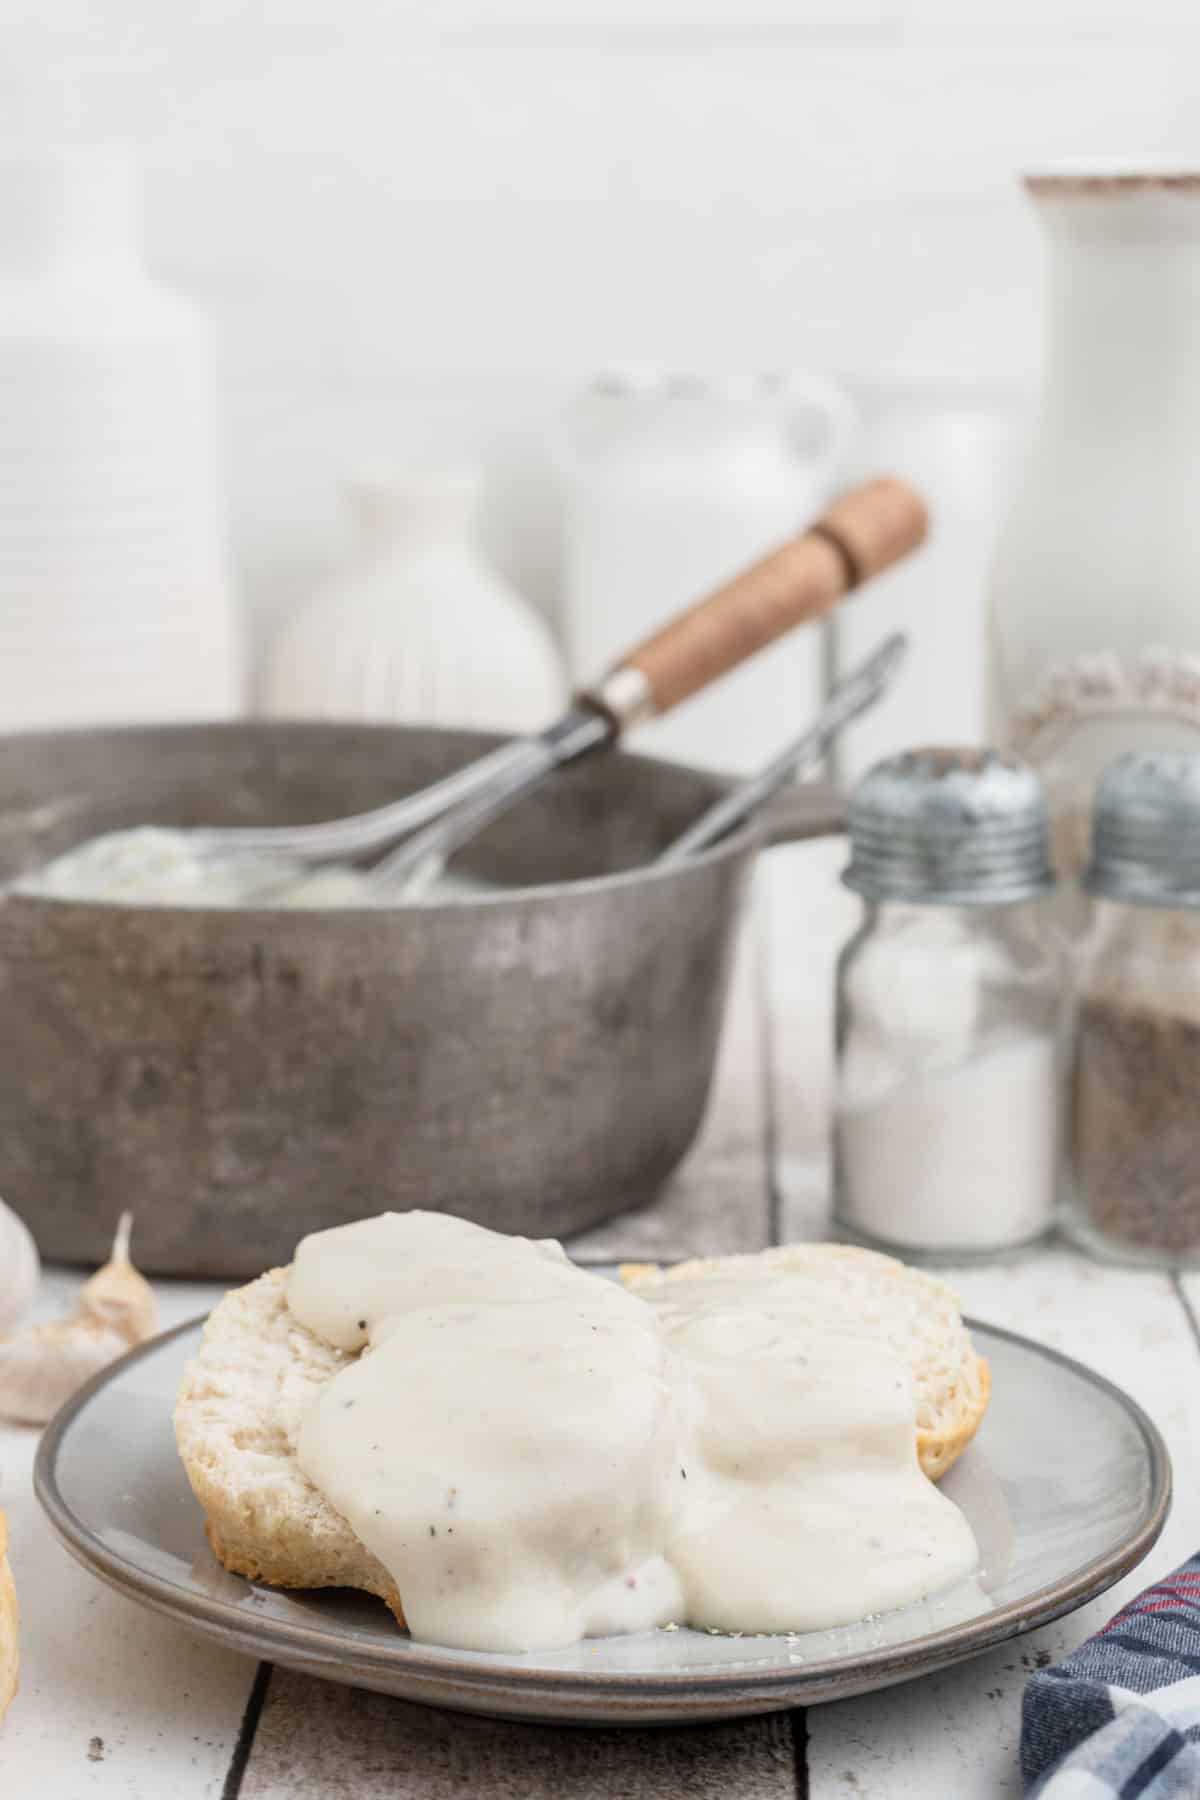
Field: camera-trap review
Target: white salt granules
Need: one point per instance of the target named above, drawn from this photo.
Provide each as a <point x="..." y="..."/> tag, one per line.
<point x="957" y="1156"/>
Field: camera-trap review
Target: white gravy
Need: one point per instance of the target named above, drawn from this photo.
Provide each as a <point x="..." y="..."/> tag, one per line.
<point x="537" y="1455"/>
<point x="151" y="865"/>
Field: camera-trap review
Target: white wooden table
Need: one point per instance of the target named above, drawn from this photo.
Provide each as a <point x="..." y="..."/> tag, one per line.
<point x="116" y="1702"/>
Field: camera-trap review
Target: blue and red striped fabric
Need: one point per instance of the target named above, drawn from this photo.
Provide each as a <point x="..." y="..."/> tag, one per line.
<point x="1119" y="1719"/>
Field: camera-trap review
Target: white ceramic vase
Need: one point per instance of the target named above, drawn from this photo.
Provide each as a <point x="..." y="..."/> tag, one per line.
<point x="416" y="629"/>
<point x="673" y="485"/>
<point x="115" y="602"/>
<point x="1095" y="593"/>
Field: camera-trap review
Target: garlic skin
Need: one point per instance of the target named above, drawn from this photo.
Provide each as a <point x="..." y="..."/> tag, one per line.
<point x="20" y="1269"/>
<point x="41" y="1368"/>
<point x="44" y="1365"/>
<point x="118" y="1296"/>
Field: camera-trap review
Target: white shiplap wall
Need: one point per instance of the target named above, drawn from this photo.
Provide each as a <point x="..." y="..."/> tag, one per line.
<point x="418" y="222"/>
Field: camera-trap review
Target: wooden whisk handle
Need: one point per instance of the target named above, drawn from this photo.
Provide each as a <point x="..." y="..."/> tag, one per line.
<point x="861" y="534"/>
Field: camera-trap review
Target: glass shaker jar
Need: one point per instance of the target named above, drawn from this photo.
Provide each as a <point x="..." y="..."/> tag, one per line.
<point x="1133" y="1190"/>
<point x="947" y="1087"/>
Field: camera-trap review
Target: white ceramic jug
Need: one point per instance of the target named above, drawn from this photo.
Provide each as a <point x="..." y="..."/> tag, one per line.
<point x="673" y="485"/>
<point x="114" y="597"/>
<point x="1095" y="594"/>
<point x="416" y="628"/>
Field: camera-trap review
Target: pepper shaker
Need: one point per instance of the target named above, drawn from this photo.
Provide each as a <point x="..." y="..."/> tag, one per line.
<point x="1134" y="1152"/>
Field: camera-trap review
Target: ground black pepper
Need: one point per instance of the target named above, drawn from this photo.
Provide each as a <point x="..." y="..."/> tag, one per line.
<point x="1136" y="1126"/>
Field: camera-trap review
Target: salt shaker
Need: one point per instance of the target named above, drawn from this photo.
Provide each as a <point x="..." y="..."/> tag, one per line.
<point x="1133" y="1190"/>
<point x="947" y="1083"/>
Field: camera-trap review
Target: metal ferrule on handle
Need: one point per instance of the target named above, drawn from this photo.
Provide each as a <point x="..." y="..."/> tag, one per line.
<point x="860" y="535"/>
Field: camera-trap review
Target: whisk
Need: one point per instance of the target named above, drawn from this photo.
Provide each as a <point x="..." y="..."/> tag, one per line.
<point x="860" y="535"/>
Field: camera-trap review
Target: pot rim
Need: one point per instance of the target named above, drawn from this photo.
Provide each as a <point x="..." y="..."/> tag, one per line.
<point x="741" y="841"/>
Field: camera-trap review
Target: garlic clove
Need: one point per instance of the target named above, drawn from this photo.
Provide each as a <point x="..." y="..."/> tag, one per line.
<point x="42" y="1367"/>
<point x="45" y="1364"/>
<point x="20" y="1270"/>
<point x="8" y="1624"/>
<point x="117" y="1296"/>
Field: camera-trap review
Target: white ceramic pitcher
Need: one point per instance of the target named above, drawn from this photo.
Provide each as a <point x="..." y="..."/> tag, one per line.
<point x="1095" y="593"/>
<point x="674" y="484"/>
<point x="952" y="435"/>
<point x="115" y="600"/>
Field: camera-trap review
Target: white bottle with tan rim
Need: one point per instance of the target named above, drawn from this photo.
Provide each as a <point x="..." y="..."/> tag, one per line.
<point x="1095" y="592"/>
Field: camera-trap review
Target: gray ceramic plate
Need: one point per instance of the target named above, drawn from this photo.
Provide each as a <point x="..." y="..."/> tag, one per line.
<point x="1067" y="1487"/>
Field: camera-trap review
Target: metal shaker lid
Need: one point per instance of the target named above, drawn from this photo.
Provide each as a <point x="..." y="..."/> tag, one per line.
<point x="1146" y="830"/>
<point x="949" y="827"/>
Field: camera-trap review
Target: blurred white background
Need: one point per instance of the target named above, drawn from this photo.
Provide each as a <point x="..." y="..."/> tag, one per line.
<point x="419" y="225"/>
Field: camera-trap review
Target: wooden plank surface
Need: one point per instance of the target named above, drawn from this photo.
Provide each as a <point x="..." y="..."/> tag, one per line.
<point x="954" y="1735"/>
<point x="113" y="1700"/>
<point x="341" y="1745"/>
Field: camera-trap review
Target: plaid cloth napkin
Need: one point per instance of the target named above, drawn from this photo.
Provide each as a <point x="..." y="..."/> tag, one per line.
<point x="1119" y="1719"/>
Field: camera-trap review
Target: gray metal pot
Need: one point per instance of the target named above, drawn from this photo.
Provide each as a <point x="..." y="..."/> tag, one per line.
<point x="537" y="1060"/>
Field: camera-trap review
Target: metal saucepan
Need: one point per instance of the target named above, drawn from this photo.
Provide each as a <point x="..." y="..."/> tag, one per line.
<point x="537" y="1060"/>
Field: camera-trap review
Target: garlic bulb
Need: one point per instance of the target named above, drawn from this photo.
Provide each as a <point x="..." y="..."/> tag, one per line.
<point x="20" y="1269"/>
<point x="43" y="1366"/>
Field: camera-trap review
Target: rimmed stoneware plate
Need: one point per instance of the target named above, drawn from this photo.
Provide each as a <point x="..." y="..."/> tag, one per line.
<point x="1060" y="1514"/>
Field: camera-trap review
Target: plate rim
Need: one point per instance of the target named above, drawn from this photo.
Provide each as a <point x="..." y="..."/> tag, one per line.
<point x="309" y="1646"/>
